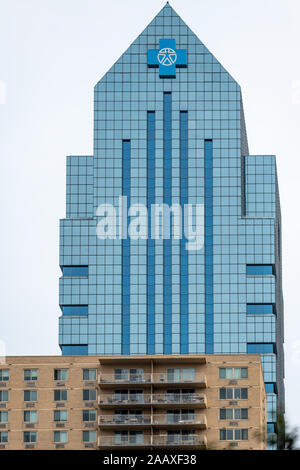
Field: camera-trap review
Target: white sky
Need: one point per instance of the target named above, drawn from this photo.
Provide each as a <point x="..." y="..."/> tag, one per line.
<point x="52" y="52"/>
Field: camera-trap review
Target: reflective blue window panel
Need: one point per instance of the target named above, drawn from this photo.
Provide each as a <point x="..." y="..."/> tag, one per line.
<point x="167" y="244"/>
<point x="208" y="239"/>
<point x="126" y="253"/>
<point x="79" y="310"/>
<point x="271" y="428"/>
<point x="260" y="309"/>
<point x="150" y="242"/>
<point x="259" y="269"/>
<point x="261" y="348"/>
<point x="75" y="271"/>
<point x="184" y="296"/>
<point x="74" y="349"/>
<point x="271" y="387"/>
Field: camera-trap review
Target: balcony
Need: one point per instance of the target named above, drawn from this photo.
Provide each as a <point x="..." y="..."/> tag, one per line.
<point x="161" y="441"/>
<point x="107" y="380"/>
<point x="164" y="421"/>
<point x="144" y="380"/>
<point x="162" y="379"/>
<point x="172" y="421"/>
<point x="159" y="400"/>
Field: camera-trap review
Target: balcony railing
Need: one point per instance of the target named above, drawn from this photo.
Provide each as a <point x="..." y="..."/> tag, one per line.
<point x="156" y="419"/>
<point x="159" y="441"/>
<point x="157" y="398"/>
<point x="146" y="378"/>
<point x="125" y="379"/>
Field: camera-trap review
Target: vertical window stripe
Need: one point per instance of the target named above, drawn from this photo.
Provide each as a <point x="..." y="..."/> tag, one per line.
<point x="150" y="242"/>
<point x="184" y="297"/>
<point x="126" y="253"/>
<point x="208" y="237"/>
<point x="167" y="244"/>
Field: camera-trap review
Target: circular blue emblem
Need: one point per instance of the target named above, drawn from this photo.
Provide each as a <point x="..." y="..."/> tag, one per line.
<point x="167" y="56"/>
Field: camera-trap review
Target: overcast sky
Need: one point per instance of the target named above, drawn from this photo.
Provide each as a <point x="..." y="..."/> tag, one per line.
<point x="52" y="52"/>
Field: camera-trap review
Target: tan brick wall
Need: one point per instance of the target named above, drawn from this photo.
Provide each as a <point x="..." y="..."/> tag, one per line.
<point x="205" y="366"/>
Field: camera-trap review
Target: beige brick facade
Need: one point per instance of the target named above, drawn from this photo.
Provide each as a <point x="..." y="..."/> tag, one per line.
<point x="158" y="402"/>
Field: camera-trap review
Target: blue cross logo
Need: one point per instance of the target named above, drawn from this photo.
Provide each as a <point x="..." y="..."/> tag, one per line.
<point x="167" y="58"/>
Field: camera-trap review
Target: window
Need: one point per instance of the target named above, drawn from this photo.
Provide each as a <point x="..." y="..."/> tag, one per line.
<point x="60" y="436"/>
<point x="260" y="269"/>
<point x="30" y="416"/>
<point x="4" y="375"/>
<point x="30" y="374"/>
<point x="176" y="416"/>
<point x="233" y="413"/>
<point x="60" y="395"/>
<point x="74" y="349"/>
<point x="3" y="437"/>
<point x="61" y="374"/>
<point x="4" y="395"/>
<point x="30" y="395"/>
<point x="233" y="434"/>
<point x="89" y="395"/>
<point x="78" y="310"/>
<point x="233" y="393"/>
<point x="89" y="374"/>
<point x="271" y="387"/>
<point x="261" y="348"/>
<point x="180" y="375"/>
<point x="233" y="372"/>
<point x="132" y="375"/>
<point x="79" y="271"/>
<point x="260" y="309"/>
<point x="89" y="436"/>
<point x="60" y="415"/>
<point x="30" y="436"/>
<point x="89" y="415"/>
<point x="132" y="437"/>
<point x="3" y="416"/>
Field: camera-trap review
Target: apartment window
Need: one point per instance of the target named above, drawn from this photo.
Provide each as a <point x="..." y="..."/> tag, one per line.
<point x="30" y="416"/>
<point x="176" y="416"/>
<point x="132" y="437"/>
<point x="75" y="271"/>
<point x="3" y="416"/>
<point x="60" y="395"/>
<point x="233" y="413"/>
<point x="30" y="395"/>
<point x="122" y="416"/>
<point x="60" y="415"/>
<point x="60" y="436"/>
<point x="3" y="437"/>
<point x="233" y="434"/>
<point x="4" y="375"/>
<point x="89" y="415"/>
<point x="180" y="375"/>
<point x="30" y="374"/>
<point x="129" y="374"/>
<point x="89" y="436"/>
<point x="89" y="395"/>
<point x="61" y="374"/>
<point x="30" y="436"/>
<point x="233" y="372"/>
<point x="259" y="269"/>
<point x="176" y="437"/>
<point x="4" y="395"/>
<point x="233" y="393"/>
<point x="89" y="374"/>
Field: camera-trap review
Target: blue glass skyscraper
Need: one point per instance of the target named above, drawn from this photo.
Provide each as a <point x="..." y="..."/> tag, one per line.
<point x="169" y="129"/>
